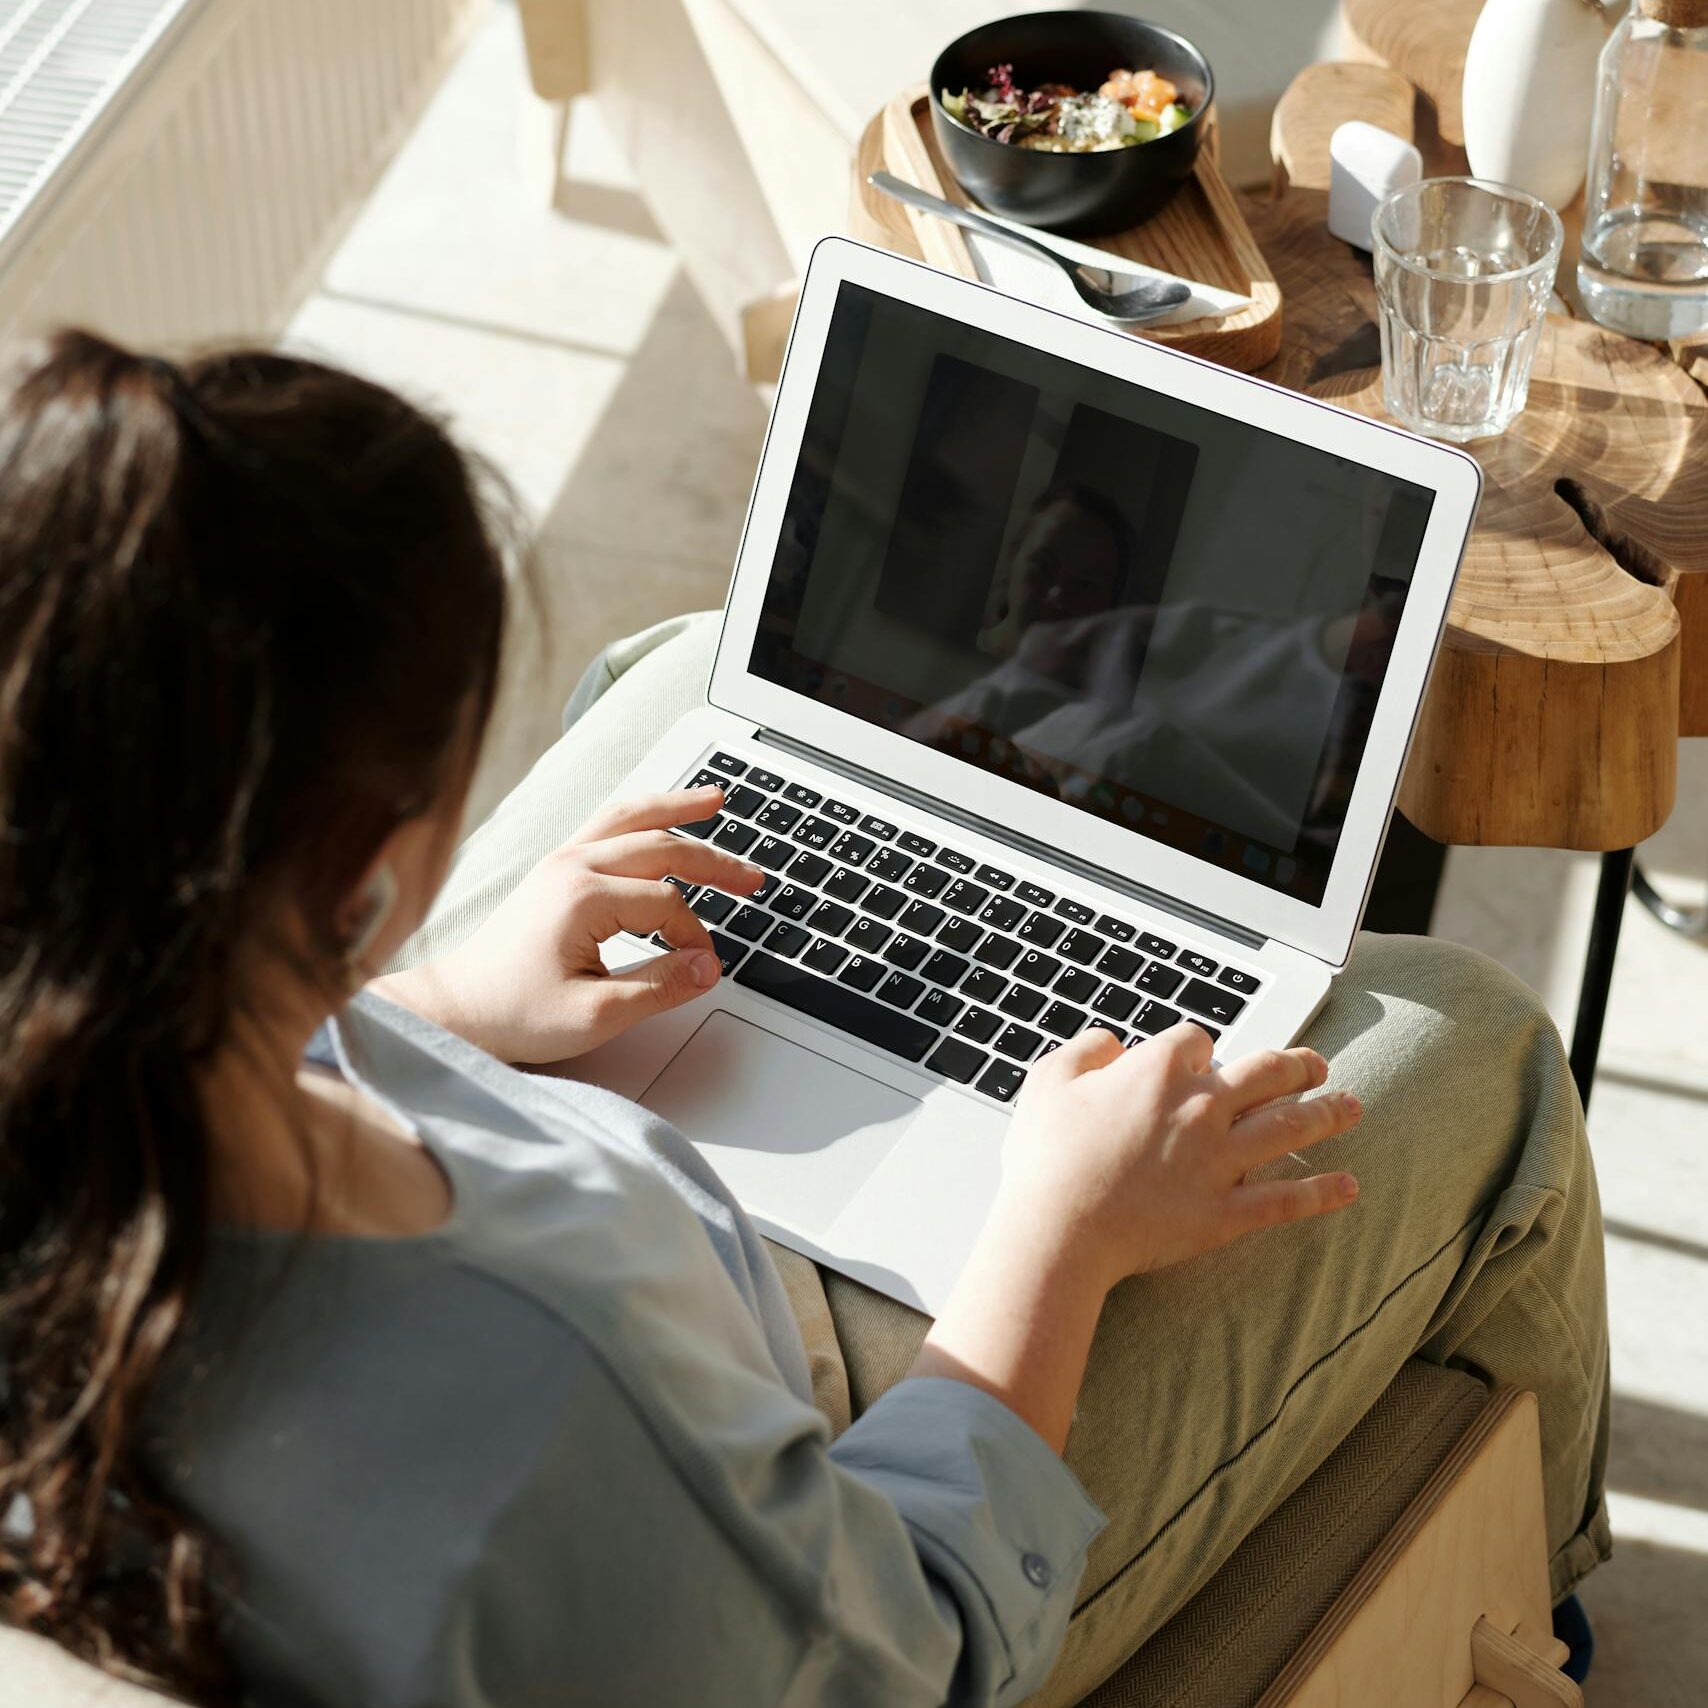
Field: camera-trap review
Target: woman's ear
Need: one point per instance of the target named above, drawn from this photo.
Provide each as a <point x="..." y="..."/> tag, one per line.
<point x="376" y="899"/>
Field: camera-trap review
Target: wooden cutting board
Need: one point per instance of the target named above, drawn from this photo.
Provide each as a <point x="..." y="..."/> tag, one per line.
<point x="1200" y="235"/>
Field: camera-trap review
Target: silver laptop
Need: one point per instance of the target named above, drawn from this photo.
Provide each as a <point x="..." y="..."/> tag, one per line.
<point x="1064" y="680"/>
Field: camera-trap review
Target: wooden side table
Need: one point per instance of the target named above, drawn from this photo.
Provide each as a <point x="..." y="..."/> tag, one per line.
<point x="1577" y="646"/>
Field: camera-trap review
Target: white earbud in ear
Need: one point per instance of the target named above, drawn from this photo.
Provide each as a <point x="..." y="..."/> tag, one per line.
<point x="378" y="900"/>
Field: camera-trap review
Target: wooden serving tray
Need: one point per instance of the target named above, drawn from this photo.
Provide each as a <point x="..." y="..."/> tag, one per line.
<point x="1200" y="234"/>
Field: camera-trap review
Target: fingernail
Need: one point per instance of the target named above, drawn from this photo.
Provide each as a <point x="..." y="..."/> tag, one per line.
<point x="711" y="788"/>
<point x="703" y="969"/>
<point x="1348" y="1188"/>
<point x="756" y="873"/>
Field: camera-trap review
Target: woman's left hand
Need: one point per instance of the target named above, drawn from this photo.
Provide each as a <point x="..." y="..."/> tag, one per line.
<point x="529" y="985"/>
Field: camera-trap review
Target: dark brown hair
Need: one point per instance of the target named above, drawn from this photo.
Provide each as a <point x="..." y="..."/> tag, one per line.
<point x="248" y="608"/>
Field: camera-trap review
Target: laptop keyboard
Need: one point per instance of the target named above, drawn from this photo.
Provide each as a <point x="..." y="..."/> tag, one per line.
<point x="919" y="949"/>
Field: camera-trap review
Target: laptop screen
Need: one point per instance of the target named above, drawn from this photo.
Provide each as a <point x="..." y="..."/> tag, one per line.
<point x="1165" y="617"/>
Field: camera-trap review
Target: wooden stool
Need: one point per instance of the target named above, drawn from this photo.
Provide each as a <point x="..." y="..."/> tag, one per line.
<point x="1410" y="1571"/>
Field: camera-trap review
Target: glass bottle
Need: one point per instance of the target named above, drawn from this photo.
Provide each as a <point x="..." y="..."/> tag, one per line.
<point x="1643" y="264"/>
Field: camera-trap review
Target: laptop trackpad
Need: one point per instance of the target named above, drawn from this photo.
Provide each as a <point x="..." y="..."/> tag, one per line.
<point x="793" y="1134"/>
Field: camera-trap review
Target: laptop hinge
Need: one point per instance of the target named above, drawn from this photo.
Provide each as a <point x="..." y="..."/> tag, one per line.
<point x="1014" y="839"/>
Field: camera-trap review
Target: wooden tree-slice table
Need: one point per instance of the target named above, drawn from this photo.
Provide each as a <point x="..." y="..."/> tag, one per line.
<point x="1576" y="651"/>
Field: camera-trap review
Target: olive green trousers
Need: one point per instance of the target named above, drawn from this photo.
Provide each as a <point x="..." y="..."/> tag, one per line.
<point x="1215" y="1388"/>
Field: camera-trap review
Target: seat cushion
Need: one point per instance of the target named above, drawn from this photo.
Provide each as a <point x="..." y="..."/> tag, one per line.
<point x="1222" y="1649"/>
<point x="35" y="1673"/>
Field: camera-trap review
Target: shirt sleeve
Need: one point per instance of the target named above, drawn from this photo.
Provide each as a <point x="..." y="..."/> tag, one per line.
<point x="930" y="1556"/>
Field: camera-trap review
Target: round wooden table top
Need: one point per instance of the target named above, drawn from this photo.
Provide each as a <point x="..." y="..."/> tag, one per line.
<point x="1554" y="714"/>
<point x="1424" y="41"/>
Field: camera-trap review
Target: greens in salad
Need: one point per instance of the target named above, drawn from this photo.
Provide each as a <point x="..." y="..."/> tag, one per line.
<point x="1131" y="107"/>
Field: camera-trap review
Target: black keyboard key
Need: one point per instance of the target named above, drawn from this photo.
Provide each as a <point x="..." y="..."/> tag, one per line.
<point x="995" y="877"/>
<point x="700" y="828"/>
<point x="1023" y="1002"/>
<point x="921" y="918"/>
<point x="735" y="836"/>
<point x="1002" y="913"/>
<point x="727" y="950"/>
<point x="1119" y="1033"/>
<point x="840" y="811"/>
<point x="1214" y="1036"/>
<point x="1119" y="963"/>
<point x="830" y="919"/>
<point x="1080" y="947"/>
<point x="959" y="934"/>
<point x="810" y="868"/>
<point x="815" y="833"/>
<point x="769" y="781"/>
<point x="1119" y="929"/>
<point x="787" y="939"/>
<point x="1002" y="1081"/>
<point x="903" y="989"/>
<point x="683" y="885"/>
<point x="1234" y="979"/>
<point x="864" y="972"/>
<point x="793" y="902"/>
<point x="944" y="969"/>
<point x="1155" y="945"/>
<point x="1156" y="1017"/>
<point x="1077" y="985"/>
<point x="955" y="1060"/>
<point x="824" y="956"/>
<point x="979" y="1024"/>
<point x="1202" y="965"/>
<point x="1037" y="968"/>
<point x="868" y="936"/>
<point x="872" y="1022"/>
<point x="1114" y="1002"/>
<point x="917" y="846"/>
<point x="885" y="902"/>
<point x="905" y="951"/>
<point x="1077" y="911"/>
<point x="713" y="906"/>
<point x="845" y="885"/>
<point x="955" y="860"/>
<point x="1158" y="980"/>
<point x="878" y="827"/>
<point x="767" y="888"/>
<point x="1063" y="1019"/>
<point x="1034" y="895"/>
<point x="772" y="853"/>
<point x="984" y="986"/>
<point x="964" y="897"/>
<point x="856" y="850"/>
<point x="751" y="924"/>
<point x="925" y="880"/>
<point x="996" y="951"/>
<point x="939" y="1007"/>
<point x="775" y="816"/>
<point x="801" y="795"/>
<point x="727" y="763"/>
<point x="743" y="801"/>
<point x="706" y="779"/>
<point x="1212" y="1001"/>
<point x="1020" y="1043"/>
<point x="1041" y="930"/>
<point x="890" y="864"/>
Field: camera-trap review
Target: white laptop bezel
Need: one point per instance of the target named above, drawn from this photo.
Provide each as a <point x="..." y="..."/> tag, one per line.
<point x="1325" y="930"/>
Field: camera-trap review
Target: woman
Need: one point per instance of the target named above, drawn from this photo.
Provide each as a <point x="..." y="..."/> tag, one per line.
<point x="343" y="1363"/>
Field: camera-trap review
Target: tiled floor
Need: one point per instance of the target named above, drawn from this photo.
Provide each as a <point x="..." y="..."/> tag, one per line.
<point x="565" y="344"/>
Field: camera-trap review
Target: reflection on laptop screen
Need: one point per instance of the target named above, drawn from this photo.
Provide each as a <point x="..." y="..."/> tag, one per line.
<point x="1168" y="618"/>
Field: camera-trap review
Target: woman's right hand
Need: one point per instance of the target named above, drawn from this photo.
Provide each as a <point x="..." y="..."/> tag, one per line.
<point x="1136" y="1159"/>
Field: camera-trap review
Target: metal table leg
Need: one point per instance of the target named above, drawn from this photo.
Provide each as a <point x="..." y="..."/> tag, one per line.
<point x="1604" y="925"/>
<point x="1686" y="921"/>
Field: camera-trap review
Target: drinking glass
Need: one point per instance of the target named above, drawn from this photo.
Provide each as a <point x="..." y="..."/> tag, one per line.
<point x="1464" y="270"/>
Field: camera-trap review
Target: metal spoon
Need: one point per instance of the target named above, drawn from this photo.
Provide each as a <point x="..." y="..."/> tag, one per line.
<point x="1127" y="297"/>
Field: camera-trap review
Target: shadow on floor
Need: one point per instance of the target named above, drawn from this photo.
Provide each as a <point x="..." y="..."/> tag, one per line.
<point x="1651" y="1639"/>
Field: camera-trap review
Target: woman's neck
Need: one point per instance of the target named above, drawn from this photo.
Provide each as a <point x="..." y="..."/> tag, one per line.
<point x="298" y="1149"/>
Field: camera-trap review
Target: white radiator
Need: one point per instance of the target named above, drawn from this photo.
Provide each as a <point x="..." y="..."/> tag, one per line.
<point x="176" y="171"/>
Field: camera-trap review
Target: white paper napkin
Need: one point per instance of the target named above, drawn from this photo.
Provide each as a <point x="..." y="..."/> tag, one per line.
<point x="1031" y="276"/>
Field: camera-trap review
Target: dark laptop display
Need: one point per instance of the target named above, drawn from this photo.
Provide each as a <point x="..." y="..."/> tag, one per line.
<point x="1169" y="619"/>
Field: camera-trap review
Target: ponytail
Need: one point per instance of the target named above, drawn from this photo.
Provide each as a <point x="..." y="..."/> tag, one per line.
<point x="241" y="606"/>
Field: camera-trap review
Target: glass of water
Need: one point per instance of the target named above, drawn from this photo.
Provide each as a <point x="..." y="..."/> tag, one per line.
<point x="1464" y="271"/>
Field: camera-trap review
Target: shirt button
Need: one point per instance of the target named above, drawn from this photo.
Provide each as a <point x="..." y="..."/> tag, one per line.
<point x="1036" y="1568"/>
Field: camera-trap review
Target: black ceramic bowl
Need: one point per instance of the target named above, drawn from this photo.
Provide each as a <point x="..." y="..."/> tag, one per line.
<point x="1089" y="193"/>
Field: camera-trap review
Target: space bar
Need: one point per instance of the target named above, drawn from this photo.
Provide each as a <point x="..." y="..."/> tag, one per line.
<point x="836" y="1005"/>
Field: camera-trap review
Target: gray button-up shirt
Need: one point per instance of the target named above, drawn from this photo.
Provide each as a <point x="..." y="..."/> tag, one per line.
<point x="561" y="1450"/>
